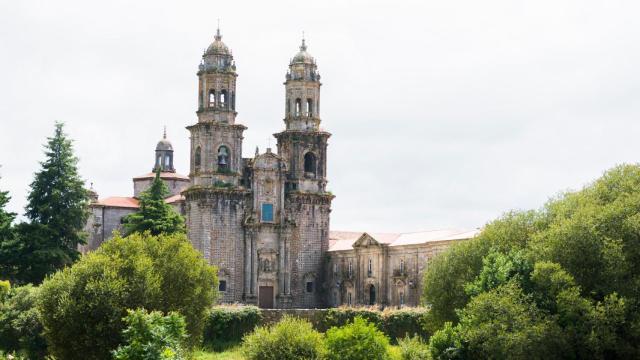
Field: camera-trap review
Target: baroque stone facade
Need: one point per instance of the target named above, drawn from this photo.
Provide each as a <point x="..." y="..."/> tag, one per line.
<point x="264" y="221"/>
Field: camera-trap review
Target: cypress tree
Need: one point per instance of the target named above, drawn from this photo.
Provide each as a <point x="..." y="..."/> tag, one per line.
<point x="155" y="215"/>
<point x="7" y="237"/>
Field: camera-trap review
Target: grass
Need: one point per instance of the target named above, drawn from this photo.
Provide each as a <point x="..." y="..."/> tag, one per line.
<point x="235" y="354"/>
<point x="229" y="354"/>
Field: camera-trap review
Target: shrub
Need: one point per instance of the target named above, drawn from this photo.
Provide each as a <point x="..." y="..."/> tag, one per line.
<point x="20" y="327"/>
<point x="226" y="325"/>
<point x="405" y="322"/>
<point x="446" y="344"/>
<point x="5" y="286"/>
<point x="358" y="340"/>
<point x="152" y="336"/>
<point x="83" y="306"/>
<point x="341" y="316"/>
<point x="413" y="348"/>
<point x="289" y="339"/>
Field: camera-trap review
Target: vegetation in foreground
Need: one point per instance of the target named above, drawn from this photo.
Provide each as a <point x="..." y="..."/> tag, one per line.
<point x="559" y="282"/>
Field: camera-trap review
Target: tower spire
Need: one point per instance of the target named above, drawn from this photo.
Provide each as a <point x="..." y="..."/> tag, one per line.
<point x="303" y="47"/>
<point x="164" y="134"/>
<point x="218" y="36"/>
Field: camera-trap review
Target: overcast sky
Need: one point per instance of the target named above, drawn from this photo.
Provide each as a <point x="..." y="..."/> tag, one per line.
<point x="443" y="113"/>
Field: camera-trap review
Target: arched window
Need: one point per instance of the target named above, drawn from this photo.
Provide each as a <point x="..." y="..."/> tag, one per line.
<point x="401" y="299"/>
<point x="370" y="268"/>
<point x="288" y="106"/>
<point x="401" y="266"/>
<point x="223" y="158"/>
<point x="310" y="163"/>
<point x="309" y="109"/>
<point x="350" y="268"/>
<point x="233" y="100"/>
<point x="197" y="157"/>
<point x="298" y="106"/>
<point x="212" y="98"/>
<point x="223" y="98"/>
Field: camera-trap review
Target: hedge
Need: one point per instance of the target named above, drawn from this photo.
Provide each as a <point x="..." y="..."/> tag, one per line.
<point x="226" y="325"/>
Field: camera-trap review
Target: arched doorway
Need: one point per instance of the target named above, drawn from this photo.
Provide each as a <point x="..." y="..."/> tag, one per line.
<point x="372" y="295"/>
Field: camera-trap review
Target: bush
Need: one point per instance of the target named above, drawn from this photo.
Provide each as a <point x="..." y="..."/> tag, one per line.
<point x="405" y="322"/>
<point x="83" y="306"/>
<point x="20" y="327"/>
<point x="289" y="339"/>
<point x="226" y="325"/>
<point x="5" y="286"/>
<point x="341" y="316"/>
<point x="446" y="344"/>
<point x="413" y="348"/>
<point x="358" y="340"/>
<point x="152" y="336"/>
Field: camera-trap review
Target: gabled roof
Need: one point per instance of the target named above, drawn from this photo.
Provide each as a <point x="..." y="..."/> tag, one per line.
<point x="347" y="240"/>
<point x="131" y="202"/>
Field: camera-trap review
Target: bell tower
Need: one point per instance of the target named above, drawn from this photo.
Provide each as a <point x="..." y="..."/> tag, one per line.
<point x="303" y="144"/>
<point x="216" y="140"/>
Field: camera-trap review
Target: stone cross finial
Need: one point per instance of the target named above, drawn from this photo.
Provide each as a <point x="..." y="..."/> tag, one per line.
<point x="164" y="135"/>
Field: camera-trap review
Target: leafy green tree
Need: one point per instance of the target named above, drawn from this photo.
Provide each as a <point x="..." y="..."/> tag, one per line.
<point x="448" y="274"/>
<point x="152" y="336"/>
<point x="504" y="323"/>
<point x="82" y="306"/>
<point x="20" y="326"/>
<point x="290" y="339"/>
<point x="358" y="340"/>
<point x="500" y="268"/>
<point x="58" y="198"/>
<point x="6" y="218"/>
<point x="155" y="215"/>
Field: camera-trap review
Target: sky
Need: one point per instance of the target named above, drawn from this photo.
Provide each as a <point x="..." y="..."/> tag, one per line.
<point x="444" y="114"/>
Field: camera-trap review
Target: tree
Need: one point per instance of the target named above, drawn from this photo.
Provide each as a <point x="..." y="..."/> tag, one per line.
<point x="57" y="208"/>
<point x="82" y="306"/>
<point x="20" y="326"/>
<point x="155" y="215"/>
<point x="7" y="238"/>
<point x="504" y="323"/>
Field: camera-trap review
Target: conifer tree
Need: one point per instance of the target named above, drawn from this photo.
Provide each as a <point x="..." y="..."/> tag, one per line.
<point x="7" y="236"/>
<point x="155" y="215"/>
<point x="57" y="207"/>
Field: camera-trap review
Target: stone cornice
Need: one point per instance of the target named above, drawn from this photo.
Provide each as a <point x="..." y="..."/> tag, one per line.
<point x="203" y="192"/>
<point x="217" y="125"/>
<point x="310" y="198"/>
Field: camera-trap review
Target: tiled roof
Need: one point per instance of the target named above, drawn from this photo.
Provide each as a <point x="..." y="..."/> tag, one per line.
<point x="163" y="175"/>
<point x="131" y="202"/>
<point x="118" y="201"/>
<point x="344" y="240"/>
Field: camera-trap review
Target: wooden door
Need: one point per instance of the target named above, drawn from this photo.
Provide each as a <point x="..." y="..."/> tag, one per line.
<point x="265" y="297"/>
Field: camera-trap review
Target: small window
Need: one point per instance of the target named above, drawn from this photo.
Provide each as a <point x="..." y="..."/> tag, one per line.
<point x="401" y="266"/>
<point x="309" y="107"/>
<point x="267" y="212"/>
<point x="223" y="99"/>
<point x="310" y="163"/>
<point x="212" y="98"/>
<point x="197" y="157"/>
<point x="370" y="268"/>
<point x="335" y="268"/>
<point x="309" y="286"/>
<point x="350" y="268"/>
<point x="222" y="286"/>
<point x="401" y="299"/>
<point x="223" y="158"/>
<point x="298" y="107"/>
<point x="349" y="299"/>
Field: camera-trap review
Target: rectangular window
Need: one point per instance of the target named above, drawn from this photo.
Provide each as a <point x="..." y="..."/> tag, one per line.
<point x="349" y="299"/>
<point x="222" y="286"/>
<point x="309" y="286"/>
<point x="267" y="212"/>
